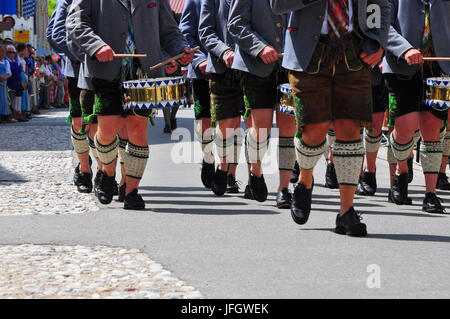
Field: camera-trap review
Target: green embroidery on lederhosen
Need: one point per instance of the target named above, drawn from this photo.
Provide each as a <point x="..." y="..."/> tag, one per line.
<point x="197" y="108"/>
<point x="100" y="103"/>
<point x="316" y="59"/>
<point x="213" y="108"/>
<point x="351" y="58"/>
<point x="299" y="111"/>
<point x="392" y="107"/>
<point x="249" y="99"/>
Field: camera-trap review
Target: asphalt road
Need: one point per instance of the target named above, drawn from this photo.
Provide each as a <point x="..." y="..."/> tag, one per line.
<point x="229" y="247"/>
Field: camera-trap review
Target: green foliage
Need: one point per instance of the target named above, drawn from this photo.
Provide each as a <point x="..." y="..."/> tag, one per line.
<point x="51" y="7"/>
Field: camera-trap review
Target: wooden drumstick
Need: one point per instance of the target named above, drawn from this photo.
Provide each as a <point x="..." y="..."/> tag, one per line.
<point x="436" y="59"/>
<point x="116" y="56"/>
<point x="174" y="58"/>
<point x="280" y="55"/>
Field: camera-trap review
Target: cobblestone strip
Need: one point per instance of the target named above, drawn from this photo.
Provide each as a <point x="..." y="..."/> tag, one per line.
<point x="56" y="272"/>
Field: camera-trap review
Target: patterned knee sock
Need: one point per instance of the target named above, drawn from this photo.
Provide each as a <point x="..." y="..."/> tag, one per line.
<point x="107" y="153"/>
<point x="401" y="151"/>
<point x="431" y="156"/>
<point x="446" y="145"/>
<point x="136" y="160"/>
<point x="224" y="147"/>
<point x="256" y="150"/>
<point x="79" y="141"/>
<point x="238" y="139"/>
<point x="122" y="145"/>
<point x="91" y="144"/>
<point x="307" y="156"/>
<point x="372" y="143"/>
<point x="348" y="157"/>
<point x="286" y="153"/>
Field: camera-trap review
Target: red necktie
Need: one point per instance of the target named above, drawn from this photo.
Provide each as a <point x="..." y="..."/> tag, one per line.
<point x="338" y="19"/>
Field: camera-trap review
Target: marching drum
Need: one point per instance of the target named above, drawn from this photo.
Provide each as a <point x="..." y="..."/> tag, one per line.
<point x="438" y="93"/>
<point x="287" y="100"/>
<point x="154" y="93"/>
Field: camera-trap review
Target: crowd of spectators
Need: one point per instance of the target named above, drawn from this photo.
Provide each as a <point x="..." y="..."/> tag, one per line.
<point x="28" y="83"/>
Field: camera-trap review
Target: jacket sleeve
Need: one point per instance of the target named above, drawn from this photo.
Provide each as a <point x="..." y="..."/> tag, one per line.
<point x="286" y="6"/>
<point x="59" y="33"/>
<point x="170" y="35"/>
<point x="189" y="28"/>
<point x="207" y="30"/>
<point x="397" y="45"/>
<point x="80" y="27"/>
<point x="240" y="28"/>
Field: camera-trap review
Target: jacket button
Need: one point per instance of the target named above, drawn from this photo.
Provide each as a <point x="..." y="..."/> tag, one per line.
<point x="422" y="11"/>
<point x="279" y="25"/>
<point x="277" y="40"/>
<point x="123" y="35"/>
<point x="124" y="18"/>
<point x="321" y="17"/>
<point x="316" y="38"/>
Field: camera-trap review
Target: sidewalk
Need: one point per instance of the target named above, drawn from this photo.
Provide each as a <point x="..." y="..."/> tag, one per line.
<point x="36" y="173"/>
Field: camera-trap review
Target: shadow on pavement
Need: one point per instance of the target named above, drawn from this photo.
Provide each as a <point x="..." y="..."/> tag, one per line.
<point x="210" y="211"/>
<point x="401" y="237"/>
<point x="9" y="176"/>
<point x="192" y="203"/>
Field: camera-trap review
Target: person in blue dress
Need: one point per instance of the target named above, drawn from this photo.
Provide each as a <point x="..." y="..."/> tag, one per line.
<point x="5" y="73"/>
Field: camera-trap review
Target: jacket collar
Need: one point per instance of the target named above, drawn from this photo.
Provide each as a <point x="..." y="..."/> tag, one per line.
<point x="134" y="4"/>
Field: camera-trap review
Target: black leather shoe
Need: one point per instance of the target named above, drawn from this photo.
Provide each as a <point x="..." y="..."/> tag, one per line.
<point x="284" y="199"/>
<point x="105" y="191"/>
<point x="408" y="200"/>
<point x="432" y="204"/>
<point x="76" y="175"/>
<point x="295" y="173"/>
<point x="133" y="201"/>
<point x="399" y="191"/>
<point x="258" y="188"/>
<point x="232" y="185"/>
<point x="207" y="174"/>
<point x="410" y="170"/>
<point x="167" y="129"/>
<point x="301" y="204"/>
<point x="247" y="193"/>
<point x="219" y="184"/>
<point x="85" y="183"/>
<point x="442" y="182"/>
<point x="350" y="224"/>
<point x="122" y="189"/>
<point x="330" y="177"/>
<point x="367" y="185"/>
<point x="115" y="187"/>
<point x="97" y="180"/>
<point x="173" y="124"/>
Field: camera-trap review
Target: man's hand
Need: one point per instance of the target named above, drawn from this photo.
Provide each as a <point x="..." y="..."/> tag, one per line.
<point x="187" y="58"/>
<point x="380" y="67"/>
<point x="268" y="55"/>
<point x="228" y="58"/>
<point x="372" y="59"/>
<point x="202" y="67"/>
<point x="172" y="67"/>
<point x="105" y="54"/>
<point x="413" y="56"/>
